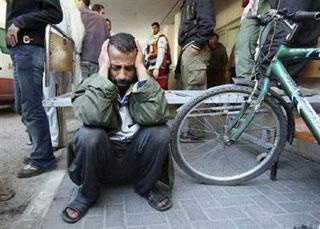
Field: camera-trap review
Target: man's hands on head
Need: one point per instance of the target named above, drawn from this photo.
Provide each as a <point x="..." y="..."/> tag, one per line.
<point x="12" y="35"/>
<point x="140" y="68"/>
<point x="104" y="60"/>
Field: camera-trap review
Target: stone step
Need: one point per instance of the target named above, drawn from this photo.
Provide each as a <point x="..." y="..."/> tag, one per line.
<point x="302" y="131"/>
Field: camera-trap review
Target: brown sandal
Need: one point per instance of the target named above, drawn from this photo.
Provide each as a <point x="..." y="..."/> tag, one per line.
<point x="7" y="196"/>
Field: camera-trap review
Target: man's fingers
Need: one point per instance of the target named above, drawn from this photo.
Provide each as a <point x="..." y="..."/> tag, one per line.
<point x="105" y="45"/>
<point x="13" y="41"/>
<point x="104" y="49"/>
<point x="104" y="61"/>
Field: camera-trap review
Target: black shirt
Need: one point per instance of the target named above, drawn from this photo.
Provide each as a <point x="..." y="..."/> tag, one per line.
<point x="32" y="16"/>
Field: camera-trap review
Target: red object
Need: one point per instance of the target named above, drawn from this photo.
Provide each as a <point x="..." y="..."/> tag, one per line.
<point x="245" y="3"/>
<point x="6" y="91"/>
<point x="162" y="79"/>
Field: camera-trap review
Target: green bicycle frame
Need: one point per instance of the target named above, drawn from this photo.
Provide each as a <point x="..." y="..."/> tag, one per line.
<point x="277" y="69"/>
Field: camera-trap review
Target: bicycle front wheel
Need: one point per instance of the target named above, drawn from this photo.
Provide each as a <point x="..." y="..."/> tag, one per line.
<point x="198" y="137"/>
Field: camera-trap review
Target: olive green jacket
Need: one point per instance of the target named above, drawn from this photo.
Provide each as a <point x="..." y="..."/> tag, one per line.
<point x="95" y="103"/>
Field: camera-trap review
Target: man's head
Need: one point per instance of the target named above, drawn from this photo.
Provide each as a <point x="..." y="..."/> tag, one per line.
<point x="155" y="28"/>
<point x="214" y="39"/>
<point x="99" y="9"/>
<point x="109" y="25"/>
<point x="122" y="53"/>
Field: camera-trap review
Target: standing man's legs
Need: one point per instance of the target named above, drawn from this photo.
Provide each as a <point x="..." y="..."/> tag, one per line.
<point x="247" y="41"/>
<point x="28" y="71"/>
<point x="245" y="47"/>
<point x="194" y="77"/>
<point x="194" y="69"/>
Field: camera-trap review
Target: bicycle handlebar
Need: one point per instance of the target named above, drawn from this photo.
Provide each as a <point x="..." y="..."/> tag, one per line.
<point x="300" y="15"/>
<point x="296" y="17"/>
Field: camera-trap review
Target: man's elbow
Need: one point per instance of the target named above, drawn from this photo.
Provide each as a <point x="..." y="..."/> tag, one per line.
<point x="56" y="16"/>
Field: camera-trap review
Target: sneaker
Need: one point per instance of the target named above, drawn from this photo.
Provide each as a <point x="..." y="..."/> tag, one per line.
<point x="31" y="171"/>
<point x="190" y="138"/>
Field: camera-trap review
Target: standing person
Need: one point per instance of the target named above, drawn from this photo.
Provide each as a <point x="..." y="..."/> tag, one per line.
<point x="158" y="56"/>
<point x="247" y="37"/>
<point x="218" y="62"/>
<point x="124" y="136"/>
<point x="60" y="82"/>
<point x="99" y="9"/>
<point x="96" y="32"/>
<point x="197" y="25"/>
<point x="25" y="25"/>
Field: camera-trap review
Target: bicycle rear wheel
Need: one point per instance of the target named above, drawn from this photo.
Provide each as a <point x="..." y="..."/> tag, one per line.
<point x="208" y="158"/>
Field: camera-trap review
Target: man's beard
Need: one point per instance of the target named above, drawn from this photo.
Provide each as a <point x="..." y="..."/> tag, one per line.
<point x="122" y="85"/>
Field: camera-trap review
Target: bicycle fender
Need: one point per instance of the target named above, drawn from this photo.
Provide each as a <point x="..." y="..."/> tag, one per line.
<point x="283" y="103"/>
<point x="290" y="117"/>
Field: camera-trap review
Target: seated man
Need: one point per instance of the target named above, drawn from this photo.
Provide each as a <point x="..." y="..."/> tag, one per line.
<point x="124" y="137"/>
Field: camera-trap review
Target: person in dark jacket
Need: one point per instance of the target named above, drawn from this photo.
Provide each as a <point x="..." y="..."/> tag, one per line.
<point x="197" y="24"/>
<point x="218" y="62"/>
<point x="25" y="25"/>
<point x="96" y="32"/>
<point x="306" y="37"/>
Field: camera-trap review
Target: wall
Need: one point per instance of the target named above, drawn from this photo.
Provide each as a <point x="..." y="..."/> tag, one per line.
<point x="168" y="30"/>
<point x="228" y="13"/>
<point x="2" y="13"/>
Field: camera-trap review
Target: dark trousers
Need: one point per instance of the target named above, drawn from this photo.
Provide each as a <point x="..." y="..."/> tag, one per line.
<point x="102" y="161"/>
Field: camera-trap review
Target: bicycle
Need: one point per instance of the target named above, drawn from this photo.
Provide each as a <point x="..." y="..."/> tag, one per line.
<point x="245" y="125"/>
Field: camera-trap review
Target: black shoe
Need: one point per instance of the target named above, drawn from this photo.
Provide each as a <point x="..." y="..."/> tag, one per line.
<point x="190" y="138"/>
<point x="30" y="171"/>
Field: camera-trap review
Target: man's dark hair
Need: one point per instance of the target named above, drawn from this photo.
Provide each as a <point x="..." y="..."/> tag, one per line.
<point x="156" y="24"/>
<point x="97" y="7"/>
<point x="124" y="42"/>
<point x="215" y="35"/>
<point x="86" y="2"/>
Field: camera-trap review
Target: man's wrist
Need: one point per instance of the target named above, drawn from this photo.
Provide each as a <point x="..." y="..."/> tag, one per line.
<point x="142" y="73"/>
<point x="103" y="72"/>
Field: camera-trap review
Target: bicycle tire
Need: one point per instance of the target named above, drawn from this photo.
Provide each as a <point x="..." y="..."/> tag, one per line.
<point x="214" y="168"/>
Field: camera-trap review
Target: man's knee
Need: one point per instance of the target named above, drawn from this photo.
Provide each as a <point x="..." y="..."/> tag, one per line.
<point x="90" y="136"/>
<point x="159" y="135"/>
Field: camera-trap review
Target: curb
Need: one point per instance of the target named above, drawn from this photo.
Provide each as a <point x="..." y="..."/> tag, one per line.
<point x="34" y="214"/>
